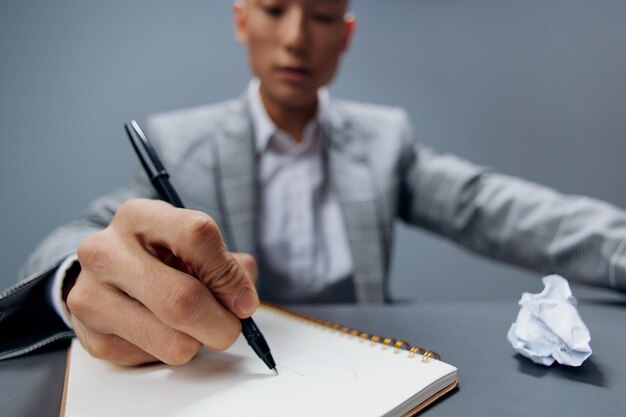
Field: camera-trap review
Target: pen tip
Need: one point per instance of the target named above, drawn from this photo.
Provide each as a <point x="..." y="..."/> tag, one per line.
<point x="275" y="371"/>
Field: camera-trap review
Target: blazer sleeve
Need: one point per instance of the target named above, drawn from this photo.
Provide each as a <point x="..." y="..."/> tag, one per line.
<point x="512" y="220"/>
<point x="27" y="321"/>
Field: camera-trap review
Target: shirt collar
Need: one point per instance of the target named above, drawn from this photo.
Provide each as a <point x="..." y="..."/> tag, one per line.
<point x="263" y="127"/>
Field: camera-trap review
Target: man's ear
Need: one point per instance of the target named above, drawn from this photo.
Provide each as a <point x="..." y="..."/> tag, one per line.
<point x="240" y="13"/>
<point x="349" y="22"/>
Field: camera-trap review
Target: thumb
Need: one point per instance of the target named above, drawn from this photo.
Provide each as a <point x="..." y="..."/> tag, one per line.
<point x="234" y="289"/>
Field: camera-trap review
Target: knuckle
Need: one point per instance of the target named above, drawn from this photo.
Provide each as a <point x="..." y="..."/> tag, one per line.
<point x="180" y="303"/>
<point x="202" y="226"/>
<point x="80" y="300"/>
<point x="101" y="348"/>
<point x="181" y="349"/>
<point x="95" y="251"/>
<point x="128" y="210"/>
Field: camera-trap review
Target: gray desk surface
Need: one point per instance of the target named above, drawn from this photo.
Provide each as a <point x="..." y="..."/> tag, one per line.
<point x="470" y="335"/>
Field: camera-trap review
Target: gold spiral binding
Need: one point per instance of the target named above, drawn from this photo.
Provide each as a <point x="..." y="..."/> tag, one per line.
<point x="397" y="344"/>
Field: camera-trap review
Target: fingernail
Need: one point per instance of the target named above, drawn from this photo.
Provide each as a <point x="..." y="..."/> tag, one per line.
<point x="246" y="301"/>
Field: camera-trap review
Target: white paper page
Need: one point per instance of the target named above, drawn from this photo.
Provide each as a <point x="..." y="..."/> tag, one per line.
<point x="322" y="372"/>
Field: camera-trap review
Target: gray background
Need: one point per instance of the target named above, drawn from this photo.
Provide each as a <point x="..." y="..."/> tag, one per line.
<point x="534" y="88"/>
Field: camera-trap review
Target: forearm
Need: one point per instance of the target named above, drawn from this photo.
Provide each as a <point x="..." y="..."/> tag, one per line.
<point x="519" y="222"/>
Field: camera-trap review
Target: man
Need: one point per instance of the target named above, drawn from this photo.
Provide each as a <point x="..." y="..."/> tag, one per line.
<point x="307" y="184"/>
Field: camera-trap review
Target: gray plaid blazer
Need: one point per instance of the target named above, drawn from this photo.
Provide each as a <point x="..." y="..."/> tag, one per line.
<point x="380" y="173"/>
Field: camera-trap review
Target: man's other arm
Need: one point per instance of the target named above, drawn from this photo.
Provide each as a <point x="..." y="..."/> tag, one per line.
<point x="513" y="220"/>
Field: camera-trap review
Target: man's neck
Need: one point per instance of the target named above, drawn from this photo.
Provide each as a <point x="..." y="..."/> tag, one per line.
<point x="290" y="119"/>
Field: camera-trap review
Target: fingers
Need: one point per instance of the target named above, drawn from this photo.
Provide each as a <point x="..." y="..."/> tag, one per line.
<point x="127" y="320"/>
<point x="174" y="298"/>
<point x="110" y="347"/>
<point x="193" y="237"/>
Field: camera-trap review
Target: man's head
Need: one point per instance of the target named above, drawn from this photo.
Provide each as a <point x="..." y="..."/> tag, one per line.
<point x="294" y="46"/>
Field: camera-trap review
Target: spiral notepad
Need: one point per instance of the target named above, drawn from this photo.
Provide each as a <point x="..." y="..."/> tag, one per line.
<point x="326" y="369"/>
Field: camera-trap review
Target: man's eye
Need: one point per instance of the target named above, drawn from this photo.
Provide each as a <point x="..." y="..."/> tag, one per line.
<point x="325" y="18"/>
<point x="274" y="11"/>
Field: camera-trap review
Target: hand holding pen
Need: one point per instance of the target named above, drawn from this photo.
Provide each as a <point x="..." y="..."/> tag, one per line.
<point x="157" y="284"/>
<point x="159" y="178"/>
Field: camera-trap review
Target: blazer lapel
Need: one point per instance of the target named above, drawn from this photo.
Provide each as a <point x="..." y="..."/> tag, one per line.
<point x="235" y="178"/>
<point x="354" y="186"/>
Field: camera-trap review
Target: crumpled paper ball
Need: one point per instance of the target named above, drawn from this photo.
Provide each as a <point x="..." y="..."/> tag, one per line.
<point x="548" y="327"/>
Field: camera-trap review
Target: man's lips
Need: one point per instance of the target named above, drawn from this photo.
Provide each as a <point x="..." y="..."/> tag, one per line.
<point x="293" y="73"/>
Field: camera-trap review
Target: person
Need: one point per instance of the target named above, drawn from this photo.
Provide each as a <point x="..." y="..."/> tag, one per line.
<point x="293" y="186"/>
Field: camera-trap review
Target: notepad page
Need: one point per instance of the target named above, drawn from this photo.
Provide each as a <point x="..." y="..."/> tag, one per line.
<point x="322" y="372"/>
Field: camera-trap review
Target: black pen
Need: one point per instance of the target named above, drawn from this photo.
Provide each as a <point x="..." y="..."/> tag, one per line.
<point x="159" y="178"/>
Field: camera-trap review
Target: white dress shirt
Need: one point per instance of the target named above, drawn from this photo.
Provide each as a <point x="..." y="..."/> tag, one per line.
<point x="304" y="247"/>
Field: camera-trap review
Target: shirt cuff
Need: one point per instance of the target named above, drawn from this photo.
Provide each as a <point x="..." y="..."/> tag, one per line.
<point x="55" y="289"/>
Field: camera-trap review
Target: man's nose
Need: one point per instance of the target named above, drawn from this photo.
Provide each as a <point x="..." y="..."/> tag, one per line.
<point x="295" y="31"/>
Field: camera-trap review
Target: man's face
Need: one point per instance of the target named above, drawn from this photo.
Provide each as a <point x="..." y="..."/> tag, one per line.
<point x="294" y="46"/>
